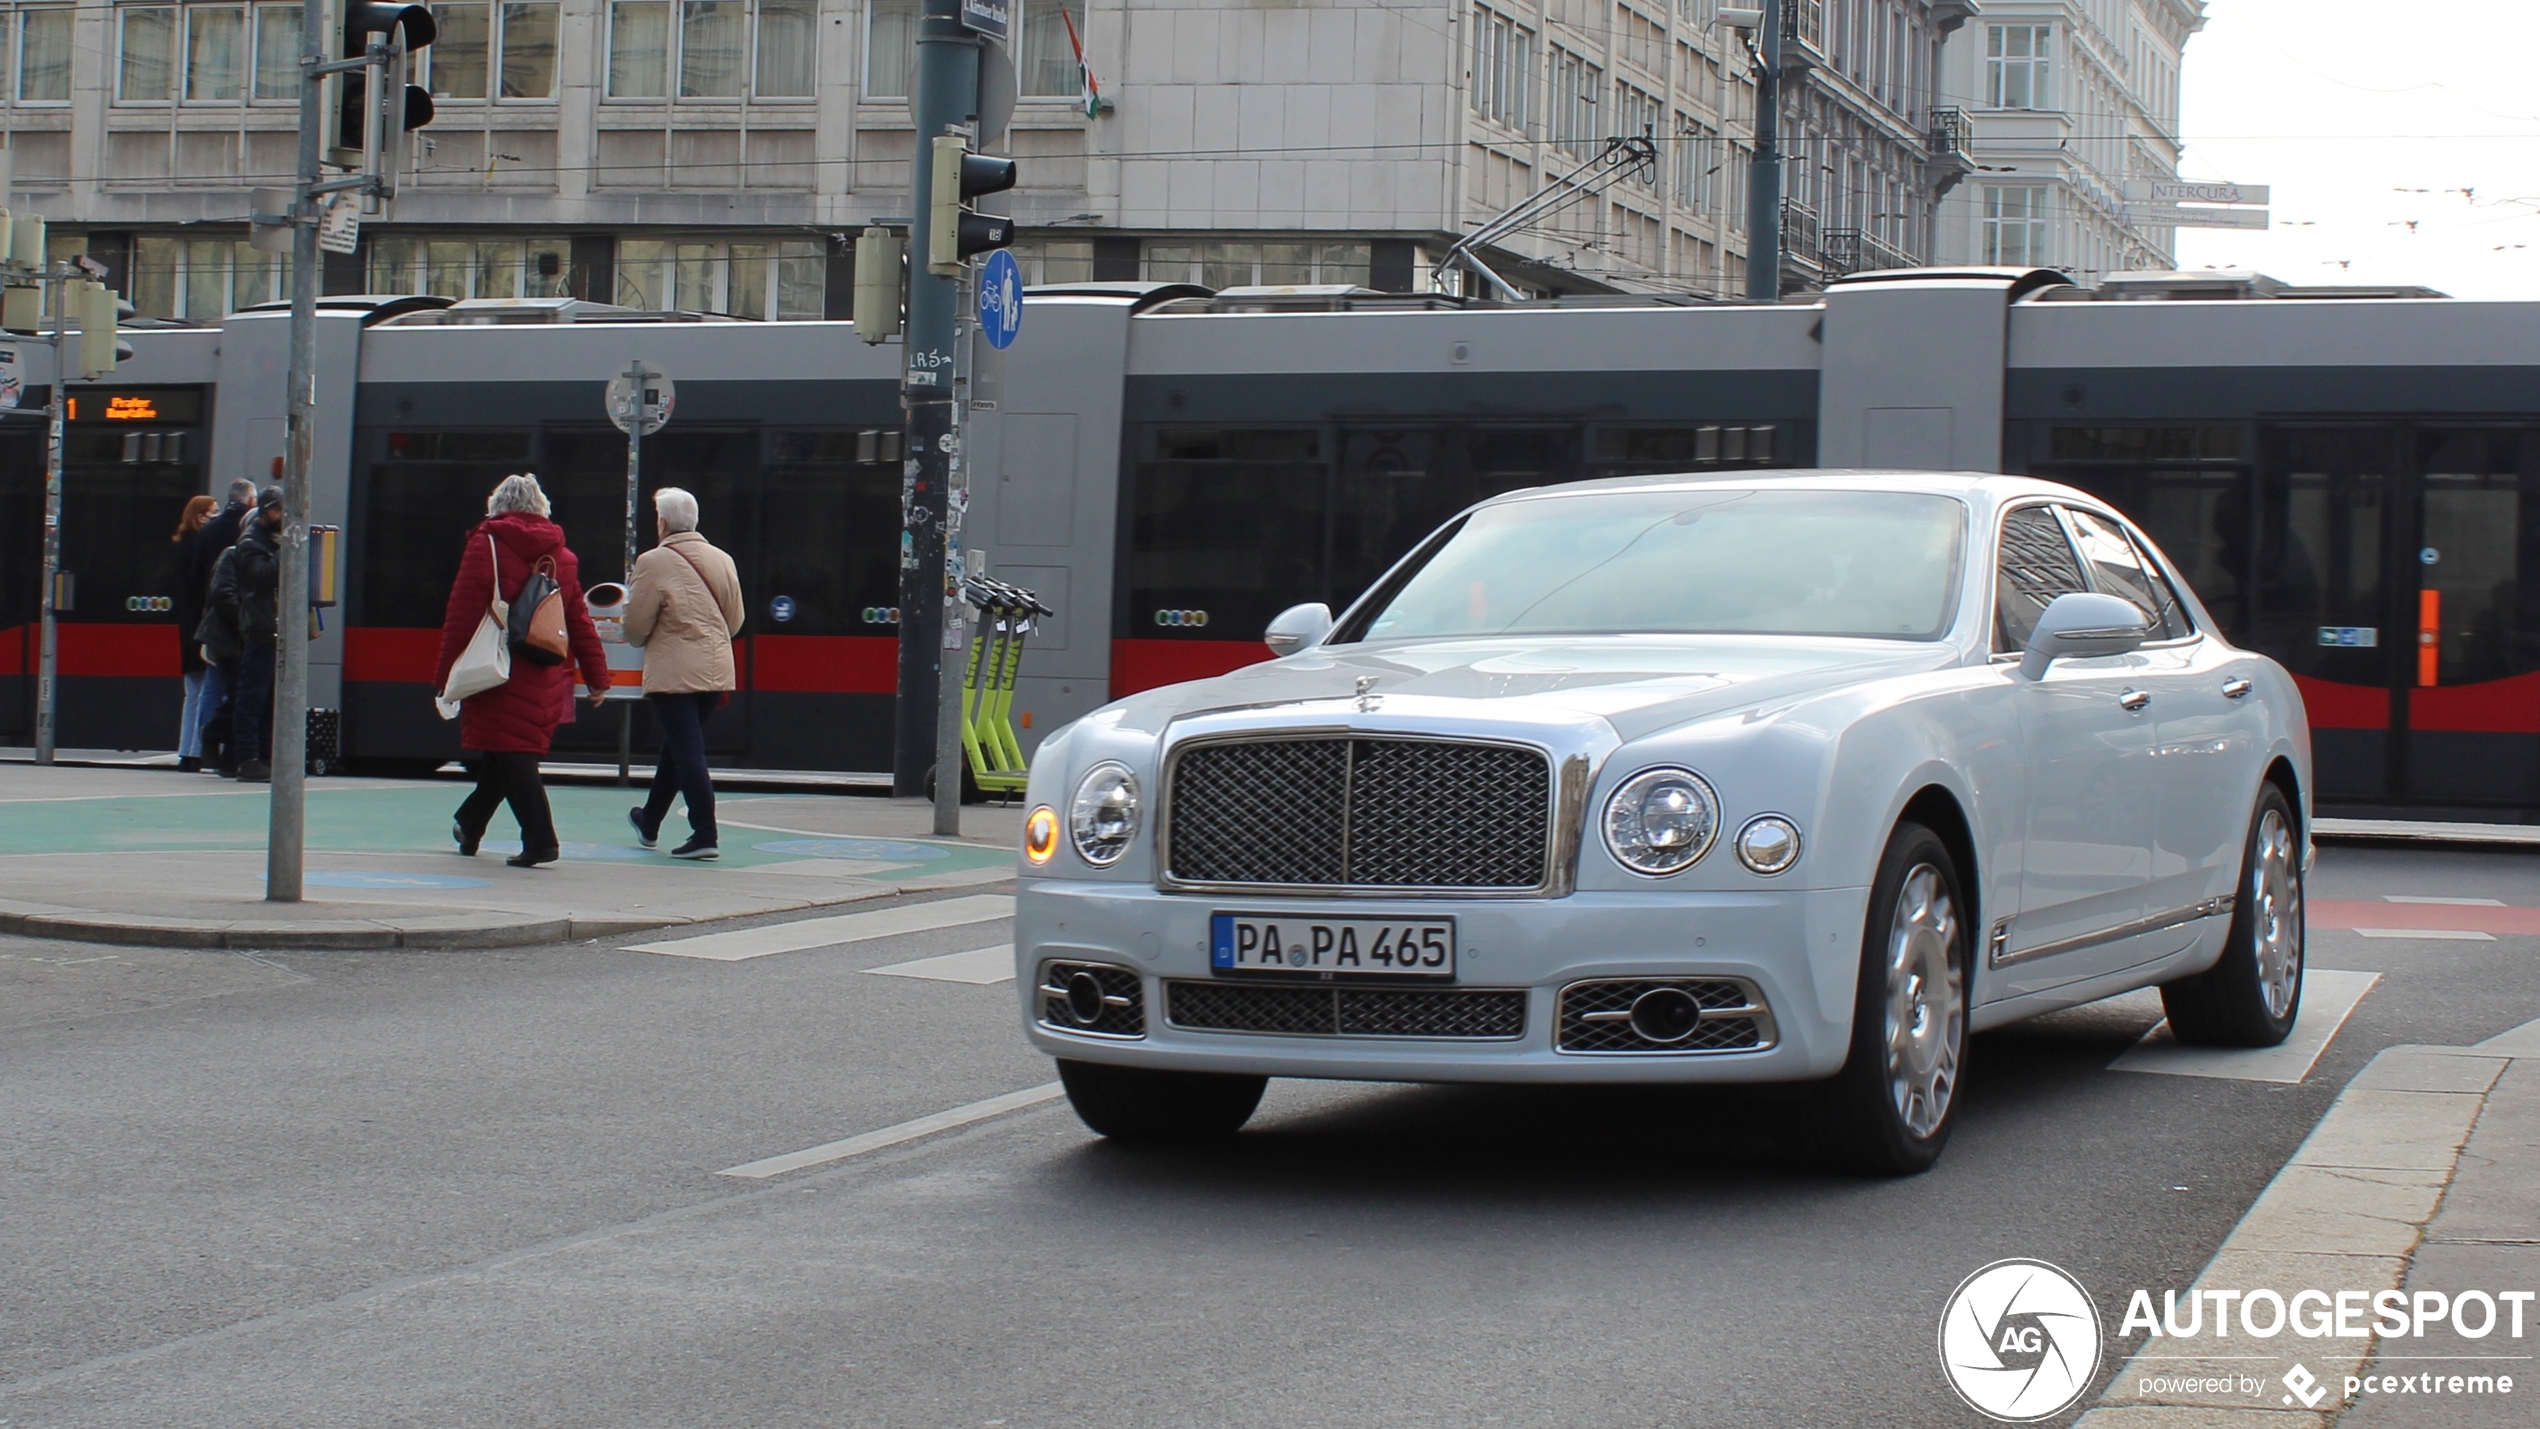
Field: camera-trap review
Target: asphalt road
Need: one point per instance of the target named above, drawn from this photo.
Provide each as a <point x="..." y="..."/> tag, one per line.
<point x="478" y="1188"/>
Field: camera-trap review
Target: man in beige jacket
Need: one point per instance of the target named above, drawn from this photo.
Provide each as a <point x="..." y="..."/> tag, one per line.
<point x="683" y="608"/>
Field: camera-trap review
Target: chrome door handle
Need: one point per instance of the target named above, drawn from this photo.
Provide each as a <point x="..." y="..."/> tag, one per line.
<point x="2236" y="688"/>
<point x="2134" y="699"/>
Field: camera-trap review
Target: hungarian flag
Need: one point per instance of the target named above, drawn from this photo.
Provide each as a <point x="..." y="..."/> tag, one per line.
<point x="1092" y="98"/>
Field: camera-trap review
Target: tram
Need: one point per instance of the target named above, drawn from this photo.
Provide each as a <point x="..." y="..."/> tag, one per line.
<point x="2340" y="475"/>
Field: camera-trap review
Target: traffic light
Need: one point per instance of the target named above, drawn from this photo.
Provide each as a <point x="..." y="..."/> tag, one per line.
<point x="373" y="122"/>
<point x="99" y="309"/>
<point x="956" y="232"/>
<point x="877" y="284"/>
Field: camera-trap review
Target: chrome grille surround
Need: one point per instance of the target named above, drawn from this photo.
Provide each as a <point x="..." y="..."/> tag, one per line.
<point x="1367" y="814"/>
<point x="1323" y="1010"/>
<point x="1593" y="1018"/>
<point x="1124" y="1010"/>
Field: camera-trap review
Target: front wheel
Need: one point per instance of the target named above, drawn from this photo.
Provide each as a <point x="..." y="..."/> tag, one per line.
<point x="2251" y="996"/>
<point x="1143" y="1104"/>
<point x="1892" y="1102"/>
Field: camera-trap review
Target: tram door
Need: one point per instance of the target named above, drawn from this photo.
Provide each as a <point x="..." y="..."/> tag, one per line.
<point x="2470" y="682"/>
<point x="2328" y="598"/>
<point x="131" y="457"/>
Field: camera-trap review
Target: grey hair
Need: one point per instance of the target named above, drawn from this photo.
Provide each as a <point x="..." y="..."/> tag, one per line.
<point x="242" y="490"/>
<point x="676" y="508"/>
<point x="519" y="493"/>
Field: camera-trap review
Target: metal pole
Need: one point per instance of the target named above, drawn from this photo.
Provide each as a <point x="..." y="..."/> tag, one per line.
<point x="634" y="480"/>
<point x="1764" y="175"/>
<point x="948" y="713"/>
<point x="47" y="688"/>
<point x="284" y="846"/>
<point x="947" y="95"/>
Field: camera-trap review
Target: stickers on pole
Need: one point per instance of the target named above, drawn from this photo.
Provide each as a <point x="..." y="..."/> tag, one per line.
<point x="641" y="394"/>
<point x="1000" y="300"/>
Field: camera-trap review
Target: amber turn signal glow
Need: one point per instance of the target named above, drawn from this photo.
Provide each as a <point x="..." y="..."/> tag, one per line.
<point x="1040" y="834"/>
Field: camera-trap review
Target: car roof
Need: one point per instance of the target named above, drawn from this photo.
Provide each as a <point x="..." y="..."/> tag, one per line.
<point x="1980" y="488"/>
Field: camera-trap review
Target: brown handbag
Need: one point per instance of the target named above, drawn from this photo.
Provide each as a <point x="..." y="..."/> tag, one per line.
<point x="546" y="621"/>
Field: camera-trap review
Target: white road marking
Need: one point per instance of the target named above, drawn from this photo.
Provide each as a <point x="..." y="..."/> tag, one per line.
<point x="830" y="932"/>
<point x="2329" y="997"/>
<point x="2451" y="935"/>
<point x="959" y="1116"/>
<point x="981" y="966"/>
<point x="2443" y="902"/>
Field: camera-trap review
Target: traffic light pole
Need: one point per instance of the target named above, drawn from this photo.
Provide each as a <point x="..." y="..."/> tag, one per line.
<point x="947" y="94"/>
<point x="48" y="655"/>
<point x="285" y="836"/>
<point x="1764" y="173"/>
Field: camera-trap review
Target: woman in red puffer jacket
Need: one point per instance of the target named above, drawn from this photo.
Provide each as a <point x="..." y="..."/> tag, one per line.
<point x="504" y="731"/>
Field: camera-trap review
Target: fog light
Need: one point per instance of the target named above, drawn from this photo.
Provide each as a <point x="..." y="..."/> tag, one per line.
<point x="1665" y="1015"/>
<point x="1040" y="835"/>
<point x="1084" y="998"/>
<point x="1768" y="844"/>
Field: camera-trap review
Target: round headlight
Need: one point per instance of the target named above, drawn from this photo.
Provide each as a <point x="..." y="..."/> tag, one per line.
<point x="1769" y="844"/>
<point x="1104" y="817"/>
<point x="1040" y="835"/>
<point x="1661" y="821"/>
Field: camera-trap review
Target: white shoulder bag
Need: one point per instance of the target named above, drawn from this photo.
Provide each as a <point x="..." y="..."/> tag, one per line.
<point x="487" y="660"/>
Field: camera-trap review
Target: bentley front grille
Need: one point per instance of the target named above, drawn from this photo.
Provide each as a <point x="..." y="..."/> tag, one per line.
<point x="1663" y="1015"/>
<point x="1360" y="813"/>
<point x="1094" y="999"/>
<point x="1477" y="1014"/>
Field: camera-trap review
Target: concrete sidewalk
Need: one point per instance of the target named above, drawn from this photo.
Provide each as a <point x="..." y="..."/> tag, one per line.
<point x="2423" y="1180"/>
<point x="177" y="860"/>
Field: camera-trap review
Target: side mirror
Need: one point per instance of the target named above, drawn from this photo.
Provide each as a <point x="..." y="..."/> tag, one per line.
<point x="1297" y="627"/>
<point x="2083" y="623"/>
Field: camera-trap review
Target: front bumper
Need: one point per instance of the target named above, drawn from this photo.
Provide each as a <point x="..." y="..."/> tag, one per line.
<point x="1800" y="948"/>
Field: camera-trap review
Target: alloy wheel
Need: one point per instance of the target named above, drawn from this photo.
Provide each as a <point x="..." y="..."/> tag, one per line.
<point x="2275" y="896"/>
<point x="1926" y="1002"/>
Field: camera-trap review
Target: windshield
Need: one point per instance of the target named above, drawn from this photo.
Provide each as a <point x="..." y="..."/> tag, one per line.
<point x="1871" y="564"/>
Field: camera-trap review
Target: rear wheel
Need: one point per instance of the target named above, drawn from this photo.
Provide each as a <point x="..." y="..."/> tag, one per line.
<point x="2252" y="995"/>
<point x="1892" y="1102"/>
<point x="1143" y="1104"/>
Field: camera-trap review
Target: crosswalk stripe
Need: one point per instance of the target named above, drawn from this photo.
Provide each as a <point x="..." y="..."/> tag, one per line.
<point x="2329" y="997"/>
<point x="889" y="1136"/>
<point x="981" y="966"/>
<point x="2443" y="902"/>
<point x="2440" y="935"/>
<point x="830" y="932"/>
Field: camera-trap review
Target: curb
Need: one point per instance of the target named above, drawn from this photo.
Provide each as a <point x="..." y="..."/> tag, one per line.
<point x="432" y="930"/>
<point x="2349" y="1211"/>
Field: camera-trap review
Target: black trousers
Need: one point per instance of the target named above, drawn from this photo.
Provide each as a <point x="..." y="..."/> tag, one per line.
<point x="682" y="768"/>
<point x="512" y="777"/>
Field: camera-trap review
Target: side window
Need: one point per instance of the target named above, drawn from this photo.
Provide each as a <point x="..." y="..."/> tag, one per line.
<point x="2118" y="569"/>
<point x="2036" y="565"/>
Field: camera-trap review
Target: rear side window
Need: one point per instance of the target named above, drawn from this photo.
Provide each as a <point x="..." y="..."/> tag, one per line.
<point x="2036" y="565"/>
<point x="2121" y="570"/>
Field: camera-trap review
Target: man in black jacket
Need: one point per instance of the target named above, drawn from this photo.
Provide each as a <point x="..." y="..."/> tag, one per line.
<point x="220" y="687"/>
<point x="259" y="571"/>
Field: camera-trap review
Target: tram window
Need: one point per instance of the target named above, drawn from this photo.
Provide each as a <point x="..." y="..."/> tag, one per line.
<point x="829" y="536"/>
<point x="2486" y="628"/>
<point x="424" y="494"/>
<point x="1626" y="450"/>
<point x="2118" y="570"/>
<point x="1225" y="531"/>
<point x="2317" y="567"/>
<point x="21" y="535"/>
<point x="584" y="473"/>
<point x="2145" y="444"/>
<point x="2036" y="565"/>
<point x="1397" y="485"/>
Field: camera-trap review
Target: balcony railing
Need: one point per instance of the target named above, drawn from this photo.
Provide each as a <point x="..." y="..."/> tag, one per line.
<point x="1852" y="250"/>
<point x="1950" y="131"/>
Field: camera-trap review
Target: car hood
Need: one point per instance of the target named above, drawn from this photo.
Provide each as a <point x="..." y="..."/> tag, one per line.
<point x="1633" y="683"/>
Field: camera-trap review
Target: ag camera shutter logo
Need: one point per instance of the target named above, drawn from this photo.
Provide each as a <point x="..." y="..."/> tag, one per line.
<point x="2020" y="1341"/>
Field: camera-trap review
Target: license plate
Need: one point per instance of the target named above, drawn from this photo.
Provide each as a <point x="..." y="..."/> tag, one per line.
<point x="1332" y="947"/>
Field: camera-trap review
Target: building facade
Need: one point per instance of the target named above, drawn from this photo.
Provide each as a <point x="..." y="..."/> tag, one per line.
<point x="2068" y="101"/>
<point x="719" y="155"/>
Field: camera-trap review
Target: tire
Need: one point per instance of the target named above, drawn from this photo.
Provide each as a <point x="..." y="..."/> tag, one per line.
<point x="2252" y="995"/>
<point x="1895" y="1100"/>
<point x="1139" y="1104"/>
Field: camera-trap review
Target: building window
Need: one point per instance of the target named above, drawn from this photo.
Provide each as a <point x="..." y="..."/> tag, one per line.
<point x="1503" y="69"/>
<point x="145" y="67"/>
<point x="2015" y="220"/>
<point x="1055" y="260"/>
<point x="1575" y="86"/>
<point x="1694" y="160"/>
<point x="470" y="267"/>
<point x="1636" y="112"/>
<point x="785" y="280"/>
<point x="278" y="52"/>
<point x="201" y="279"/>
<point x="890" y="48"/>
<point x="1245" y="265"/>
<point x="1047" y="58"/>
<point x="215" y="53"/>
<point x="710" y="50"/>
<point x="2016" y="58"/>
<point x="44" y="55"/>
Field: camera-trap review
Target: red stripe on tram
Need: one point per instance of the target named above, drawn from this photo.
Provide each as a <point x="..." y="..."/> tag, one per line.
<point x="1146" y="664"/>
<point x="2335" y="706"/>
<point x="2490" y="707"/>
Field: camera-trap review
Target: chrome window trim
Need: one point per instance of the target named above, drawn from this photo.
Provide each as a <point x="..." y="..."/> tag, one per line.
<point x="1566" y="791"/>
<point x="1998" y="956"/>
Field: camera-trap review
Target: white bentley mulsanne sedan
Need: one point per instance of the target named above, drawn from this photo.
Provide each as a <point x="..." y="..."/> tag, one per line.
<point x="1793" y="778"/>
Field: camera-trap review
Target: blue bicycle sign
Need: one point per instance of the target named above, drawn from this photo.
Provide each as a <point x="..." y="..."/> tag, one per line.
<point x="1000" y="300"/>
